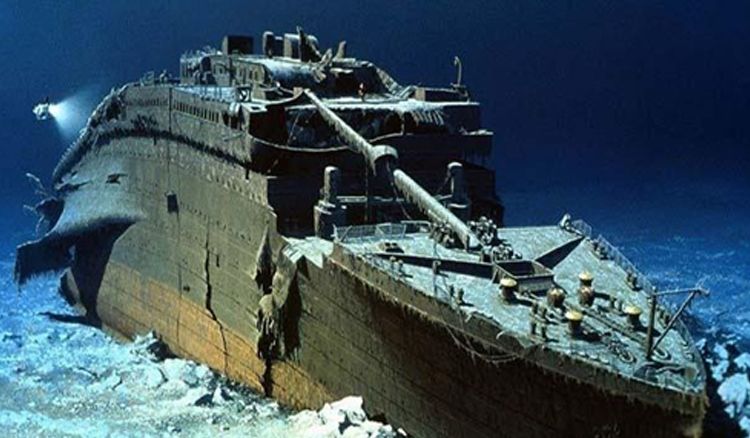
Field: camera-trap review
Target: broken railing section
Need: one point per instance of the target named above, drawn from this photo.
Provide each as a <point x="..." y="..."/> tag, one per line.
<point x="383" y="161"/>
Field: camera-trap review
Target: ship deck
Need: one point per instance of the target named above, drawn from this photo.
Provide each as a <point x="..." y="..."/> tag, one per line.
<point x="458" y="278"/>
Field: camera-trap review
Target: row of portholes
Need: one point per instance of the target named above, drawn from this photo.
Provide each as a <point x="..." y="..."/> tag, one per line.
<point x="233" y="122"/>
<point x="197" y="111"/>
<point x="148" y="102"/>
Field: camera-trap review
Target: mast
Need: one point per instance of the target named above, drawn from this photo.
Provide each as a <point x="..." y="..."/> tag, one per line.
<point x="384" y="158"/>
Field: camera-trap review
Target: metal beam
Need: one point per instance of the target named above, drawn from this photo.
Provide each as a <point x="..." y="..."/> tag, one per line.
<point x="385" y="158"/>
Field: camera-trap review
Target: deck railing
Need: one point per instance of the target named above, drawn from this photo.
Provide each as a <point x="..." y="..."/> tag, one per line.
<point x="378" y="231"/>
<point x="612" y="253"/>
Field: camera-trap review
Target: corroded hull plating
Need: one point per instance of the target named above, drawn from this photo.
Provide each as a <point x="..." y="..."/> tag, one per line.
<point x="186" y="277"/>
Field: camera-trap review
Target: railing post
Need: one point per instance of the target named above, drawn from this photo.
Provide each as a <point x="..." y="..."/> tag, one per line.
<point x="650" y="330"/>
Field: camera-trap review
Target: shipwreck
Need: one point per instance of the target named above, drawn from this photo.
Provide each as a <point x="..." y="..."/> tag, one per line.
<point x="300" y="222"/>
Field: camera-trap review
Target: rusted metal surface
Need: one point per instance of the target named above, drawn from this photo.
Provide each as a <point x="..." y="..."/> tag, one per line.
<point x="268" y="232"/>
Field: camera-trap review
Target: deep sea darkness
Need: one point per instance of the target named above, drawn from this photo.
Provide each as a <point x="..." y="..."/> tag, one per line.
<point x="634" y="116"/>
<point x="576" y="92"/>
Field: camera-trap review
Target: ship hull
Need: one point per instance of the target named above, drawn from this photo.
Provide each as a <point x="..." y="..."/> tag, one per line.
<point x="191" y="272"/>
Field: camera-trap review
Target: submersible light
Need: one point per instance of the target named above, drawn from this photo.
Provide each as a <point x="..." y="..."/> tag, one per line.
<point x="56" y="110"/>
<point x="42" y="110"/>
<point x="69" y="114"/>
<point x="46" y="110"/>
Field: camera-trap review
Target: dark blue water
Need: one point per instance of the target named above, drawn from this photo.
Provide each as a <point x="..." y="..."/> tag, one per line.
<point x="627" y="89"/>
<point x="632" y="116"/>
